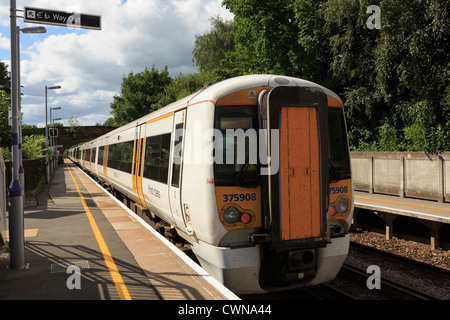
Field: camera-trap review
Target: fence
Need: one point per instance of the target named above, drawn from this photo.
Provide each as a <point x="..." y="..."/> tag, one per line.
<point x="406" y="174"/>
<point x="34" y="171"/>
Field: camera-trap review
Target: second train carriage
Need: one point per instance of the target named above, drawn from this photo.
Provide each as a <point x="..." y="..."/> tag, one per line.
<point x="254" y="172"/>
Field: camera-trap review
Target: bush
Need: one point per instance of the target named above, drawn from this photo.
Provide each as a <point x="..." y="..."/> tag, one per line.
<point x="32" y="148"/>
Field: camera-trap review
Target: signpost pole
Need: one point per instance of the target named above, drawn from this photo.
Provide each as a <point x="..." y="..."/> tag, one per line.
<point x="16" y="225"/>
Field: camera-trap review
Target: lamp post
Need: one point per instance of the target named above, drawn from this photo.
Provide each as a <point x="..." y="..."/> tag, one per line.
<point x="55" y="147"/>
<point x="47" y="167"/>
<point x="52" y="140"/>
<point x="15" y="190"/>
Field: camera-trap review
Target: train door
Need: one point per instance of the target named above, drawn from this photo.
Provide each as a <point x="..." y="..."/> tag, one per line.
<point x="138" y="157"/>
<point x="299" y="189"/>
<point x="176" y="163"/>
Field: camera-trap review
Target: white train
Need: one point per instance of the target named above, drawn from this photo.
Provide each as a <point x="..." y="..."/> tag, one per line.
<point x="253" y="172"/>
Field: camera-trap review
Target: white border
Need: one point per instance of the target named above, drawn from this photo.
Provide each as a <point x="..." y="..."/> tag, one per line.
<point x="200" y="271"/>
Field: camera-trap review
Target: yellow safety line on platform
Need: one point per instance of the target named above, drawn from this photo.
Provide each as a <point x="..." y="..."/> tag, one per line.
<point x="401" y="203"/>
<point x="109" y="261"/>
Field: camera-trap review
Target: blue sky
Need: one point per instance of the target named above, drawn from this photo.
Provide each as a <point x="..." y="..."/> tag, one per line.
<point x="89" y="65"/>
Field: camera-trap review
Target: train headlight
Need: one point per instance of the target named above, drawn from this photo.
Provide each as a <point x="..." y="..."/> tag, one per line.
<point x="231" y="214"/>
<point x="342" y="205"/>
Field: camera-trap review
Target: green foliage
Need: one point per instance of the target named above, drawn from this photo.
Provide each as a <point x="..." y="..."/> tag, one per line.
<point x="33" y="146"/>
<point x="74" y="128"/>
<point x="280" y="37"/>
<point x="265" y="37"/>
<point x="110" y="122"/>
<point x="5" y="128"/>
<point x="212" y="47"/>
<point x="180" y="87"/>
<point x="139" y="94"/>
<point x="6" y="153"/>
<point x="394" y="80"/>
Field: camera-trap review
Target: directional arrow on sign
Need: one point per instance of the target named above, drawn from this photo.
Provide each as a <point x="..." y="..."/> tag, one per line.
<point x="31" y="14"/>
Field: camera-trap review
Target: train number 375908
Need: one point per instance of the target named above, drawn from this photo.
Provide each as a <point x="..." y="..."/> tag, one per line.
<point x="337" y="190"/>
<point x="235" y="197"/>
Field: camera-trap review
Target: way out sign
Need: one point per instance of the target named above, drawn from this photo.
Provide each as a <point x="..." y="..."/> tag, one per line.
<point x="62" y="18"/>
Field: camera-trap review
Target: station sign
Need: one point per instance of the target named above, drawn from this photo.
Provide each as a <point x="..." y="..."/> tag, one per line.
<point x="62" y="18"/>
<point x="53" y="132"/>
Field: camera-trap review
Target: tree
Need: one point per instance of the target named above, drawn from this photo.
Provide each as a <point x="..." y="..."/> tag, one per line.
<point x="139" y="94"/>
<point x="74" y="128"/>
<point x="110" y="123"/>
<point x="5" y="128"/>
<point x="182" y="86"/>
<point x="263" y="37"/>
<point x="5" y="78"/>
<point x="395" y="80"/>
<point x="212" y="47"/>
<point x="281" y="37"/>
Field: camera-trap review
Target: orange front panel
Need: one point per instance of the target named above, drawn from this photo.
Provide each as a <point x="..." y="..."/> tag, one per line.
<point x="299" y="173"/>
<point x="243" y="97"/>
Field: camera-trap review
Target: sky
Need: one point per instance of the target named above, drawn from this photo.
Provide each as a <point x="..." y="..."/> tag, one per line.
<point x="89" y="65"/>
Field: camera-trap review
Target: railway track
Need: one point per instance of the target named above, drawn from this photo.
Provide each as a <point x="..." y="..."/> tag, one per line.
<point x="388" y="288"/>
<point x="401" y="278"/>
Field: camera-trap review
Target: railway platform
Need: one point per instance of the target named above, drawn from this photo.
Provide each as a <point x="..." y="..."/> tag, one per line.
<point x="81" y="243"/>
<point x="431" y="214"/>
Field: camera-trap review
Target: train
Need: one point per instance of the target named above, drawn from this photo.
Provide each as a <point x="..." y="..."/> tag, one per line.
<point x="252" y="172"/>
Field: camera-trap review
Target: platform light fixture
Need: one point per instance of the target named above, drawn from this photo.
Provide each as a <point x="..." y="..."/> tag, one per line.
<point x="47" y="166"/>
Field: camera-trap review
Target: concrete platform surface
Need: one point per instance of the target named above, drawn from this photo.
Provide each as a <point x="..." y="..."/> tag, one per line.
<point x="83" y="244"/>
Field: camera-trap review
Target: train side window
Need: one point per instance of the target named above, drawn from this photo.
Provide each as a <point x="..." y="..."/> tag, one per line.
<point x="101" y="154"/>
<point x="114" y="155"/>
<point x="157" y="158"/>
<point x="120" y="156"/>
<point x="87" y="153"/>
<point x="126" y="162"/>
<point x="93" y="151"/>
<point x="177" y="157"/>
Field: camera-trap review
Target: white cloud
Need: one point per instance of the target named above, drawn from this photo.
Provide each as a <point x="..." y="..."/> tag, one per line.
<point x="89" y="65"/>
<point x="5" y="43"/>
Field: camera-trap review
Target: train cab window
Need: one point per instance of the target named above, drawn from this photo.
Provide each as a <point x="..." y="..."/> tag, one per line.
<point x="156" y="165"/>
<point x="238" y="163"/>
<point x="338" y="148"/>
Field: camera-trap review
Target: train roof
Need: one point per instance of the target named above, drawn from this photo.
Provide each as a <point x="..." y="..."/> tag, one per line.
<point x="215" y="91"/>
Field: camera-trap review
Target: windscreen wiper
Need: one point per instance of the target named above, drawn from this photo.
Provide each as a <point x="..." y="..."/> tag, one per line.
<point x="334" y="172"/>
<point x="240" y="177"/>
